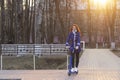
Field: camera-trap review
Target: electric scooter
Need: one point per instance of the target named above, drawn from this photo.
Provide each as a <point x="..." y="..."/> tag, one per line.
<point x="69" y="57"/>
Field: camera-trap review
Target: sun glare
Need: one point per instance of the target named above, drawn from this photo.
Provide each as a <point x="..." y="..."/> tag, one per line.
<point x="101" y="3"/>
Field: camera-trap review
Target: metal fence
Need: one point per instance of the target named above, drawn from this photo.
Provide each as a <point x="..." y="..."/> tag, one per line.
<point x="34" y="49"/>
<point x="29" y="49"/>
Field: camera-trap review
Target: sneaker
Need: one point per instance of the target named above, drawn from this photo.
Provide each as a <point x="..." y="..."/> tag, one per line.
<point x="76" y="69"/>
<point x="72" y="70"/>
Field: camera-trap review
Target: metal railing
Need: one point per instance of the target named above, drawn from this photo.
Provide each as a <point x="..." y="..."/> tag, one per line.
<point x="34" y="49"/>
<point x="37" y="49"/>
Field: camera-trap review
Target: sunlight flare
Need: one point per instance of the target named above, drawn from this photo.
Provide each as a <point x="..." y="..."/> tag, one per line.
<point x="101" y="3"/>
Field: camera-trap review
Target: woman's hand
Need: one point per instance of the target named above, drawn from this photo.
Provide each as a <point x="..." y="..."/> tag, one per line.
<point x="67" y="47"/>
<point x="77" y="47"/>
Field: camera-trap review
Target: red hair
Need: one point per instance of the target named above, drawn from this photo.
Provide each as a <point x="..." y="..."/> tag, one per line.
<point x="76" y="26"/>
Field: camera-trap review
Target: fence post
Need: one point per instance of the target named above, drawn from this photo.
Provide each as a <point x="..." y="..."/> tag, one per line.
<point x="50" y="48"/>
<point x="34" y="56"/>
<point x="67" y="61"/>
<point x="83" y="45"/>
<point x="1" y="62"/>
<point x="17" y="49"/>
<point x="1" y="56"/>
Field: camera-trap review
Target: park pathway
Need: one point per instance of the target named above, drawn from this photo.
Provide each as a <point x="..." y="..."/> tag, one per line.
<point x="95" y="64"/>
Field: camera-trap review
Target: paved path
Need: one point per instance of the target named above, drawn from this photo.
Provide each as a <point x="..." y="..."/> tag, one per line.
<point x="95" y="64"/>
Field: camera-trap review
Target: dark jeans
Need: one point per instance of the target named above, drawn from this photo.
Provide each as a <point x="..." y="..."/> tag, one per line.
<point x="75" y="59"/>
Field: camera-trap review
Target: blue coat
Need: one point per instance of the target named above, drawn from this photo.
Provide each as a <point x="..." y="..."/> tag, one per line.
<point x="73" y="40"/>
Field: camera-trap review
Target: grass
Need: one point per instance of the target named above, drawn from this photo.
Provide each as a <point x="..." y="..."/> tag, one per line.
<point x="42" y="63"/>
<point x="116" y="52"/>
<point x="26" y="63"/>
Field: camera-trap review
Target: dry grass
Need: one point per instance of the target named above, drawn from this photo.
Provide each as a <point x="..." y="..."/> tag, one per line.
<point x="26" y="62"/>
<point x="42" y="63"/>
<point x="116" y="52"/>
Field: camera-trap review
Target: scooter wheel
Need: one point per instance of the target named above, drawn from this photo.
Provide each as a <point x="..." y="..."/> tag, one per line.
<point x="77" y="72"/>
<point x="69" y="74"/>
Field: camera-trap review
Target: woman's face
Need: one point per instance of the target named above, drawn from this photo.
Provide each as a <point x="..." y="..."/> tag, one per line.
<point x="74" y="28"/>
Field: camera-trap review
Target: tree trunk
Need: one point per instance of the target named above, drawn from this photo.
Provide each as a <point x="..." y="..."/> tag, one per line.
<point x="2" y="21"/>
<point x="89" y="22"/>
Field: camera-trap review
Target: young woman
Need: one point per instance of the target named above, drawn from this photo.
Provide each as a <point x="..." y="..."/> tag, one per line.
<point x="73" y="43"/>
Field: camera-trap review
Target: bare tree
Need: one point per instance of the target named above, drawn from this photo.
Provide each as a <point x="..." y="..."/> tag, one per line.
<point x="89" y="21"/>
<point x="2" y="20"/>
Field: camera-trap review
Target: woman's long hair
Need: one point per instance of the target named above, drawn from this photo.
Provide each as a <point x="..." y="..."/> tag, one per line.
<point x="77" y="27"/>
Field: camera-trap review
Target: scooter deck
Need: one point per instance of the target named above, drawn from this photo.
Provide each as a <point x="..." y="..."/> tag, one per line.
<point x="69" y="73"/>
